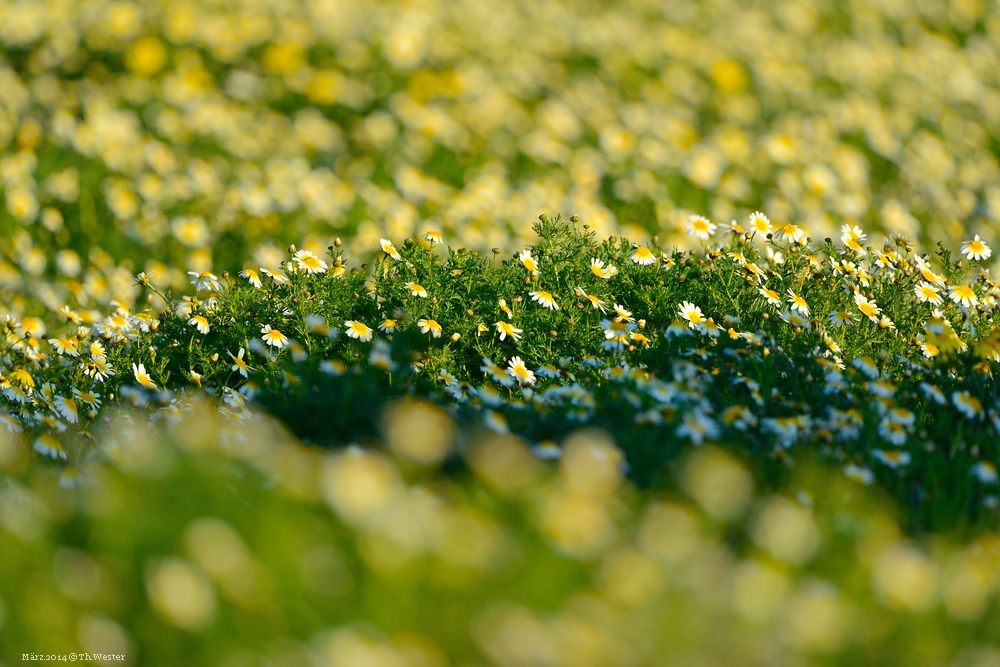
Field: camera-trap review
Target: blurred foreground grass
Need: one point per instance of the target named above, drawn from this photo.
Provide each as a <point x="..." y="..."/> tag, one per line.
<point x="208" y="543"/>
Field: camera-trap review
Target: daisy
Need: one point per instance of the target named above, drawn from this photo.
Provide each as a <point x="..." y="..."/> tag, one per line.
<point x="692" y="313"/>
<point x="852" y="237"/>
<point x="963" y="294"/>
<point x="359" y="330"/>
<point x="882" y="388"/>
<point x="617" y="330"/>
<point x="759" y="223"/>
<point x="842" y="317"/>
<point x="67" y="409"/>
<point x="98" y="368"/>
<point x="795" y="319"/>
<point x="933" y="393"/>
<point x="858" y="474"/>
<point x="88" y="397"/>
<point x="528" y="262"/>
<point x="772" y="297"/>
<point x="967" y="404"/>
<point x="798" y="303"/>
<point x="381" y="357"/>
<point x="506" y="329"/>
<point x="432" y="237"/>
<point x="985" y="472"/>
<point x="790" y="232"/>
<point x="893" y="458"/>
<point x="700" y="227"/>
<point x="390" y="249"/>
<point x="205" y="281"/>
<point x="599" y="270"/>
<point x="64" y="346"/>
<point x="70" y="315"/>
<point x="520" y="372"/>
<point x="927" y="293"/>
<point x="251" y="276"/>
<point x="49" y="446"/>
<point x="710" y="328"/>
<point x="387" y="325"/>
<point x="277" y="276"/>
<point x="429" y="326"/>
<point x="698" y="427"/>
<point x="200" y="323"/>
<point x="416" y="289"/>
<point x="621" y="314"/>
<point x="495" y="421"/>
<point x="309" y="262"/>
<point x="142" y="377"/>
<point x="273" y="337"/>
<point x="545" y="298"/>
<point x="757" y="272"/>
<point x="317" y="325"/>
<point x="497" y="372"/>
<point x="931" y="277"/>
<point x="594" y="301"/>
<point x="642" y="255"/>
<point x="239" y="365"/>
<point x="735" y="227"/>
<point x="867" y="306"/>
<point x="502" y="303"/>
<point x="976" y="249"/>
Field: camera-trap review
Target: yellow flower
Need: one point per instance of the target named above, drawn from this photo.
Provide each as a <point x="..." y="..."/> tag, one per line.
<point x="142" y="377"/>
<point x="976" y="249"/>
<point x="358" y="330"/>
<point x="309" y="262"/>
<point x="759" y="223"/>
<point x="798" y="303"/>
<point x="251" y="276"/>
<point x="692" y="314"/>
<point x="700" y="227"/>
<point x="506" y="329"/>
<point x="599" y="270"/>
<point x="390" y="249"/>
<point x="429" y="326"/>
<point x="200" y="323"/>
<point x="963" y="294"/>
<point x="643" y="256"/>
<point x="239" y="365"/>
<point x="416" y="289"/>
<point x="545" y="298"/>
<point x="528" y="262"/>
<point x="520" y="372"/>
<point x="273" y="337"/>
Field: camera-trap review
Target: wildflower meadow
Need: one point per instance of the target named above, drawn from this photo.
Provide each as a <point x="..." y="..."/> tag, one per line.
<point x="521" y="334"/>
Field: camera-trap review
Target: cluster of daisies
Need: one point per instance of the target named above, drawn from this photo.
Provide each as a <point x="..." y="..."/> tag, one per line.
<point x="764" y="338"/>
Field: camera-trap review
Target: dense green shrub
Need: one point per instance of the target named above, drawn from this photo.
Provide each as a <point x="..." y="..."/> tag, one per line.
<point x="780" y="348"/>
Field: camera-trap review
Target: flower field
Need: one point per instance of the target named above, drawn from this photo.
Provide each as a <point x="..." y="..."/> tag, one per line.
<point x="515" y="334"/>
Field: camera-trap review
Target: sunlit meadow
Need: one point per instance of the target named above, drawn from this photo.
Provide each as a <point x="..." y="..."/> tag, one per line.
<point x="499" y="333"/>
